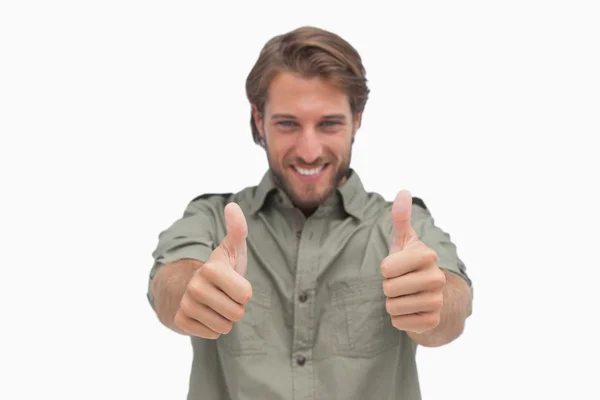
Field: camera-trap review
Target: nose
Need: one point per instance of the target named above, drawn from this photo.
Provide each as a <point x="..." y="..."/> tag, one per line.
<point x="309" y="147"/>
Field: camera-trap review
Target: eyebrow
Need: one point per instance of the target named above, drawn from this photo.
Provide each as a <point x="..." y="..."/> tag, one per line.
<point x="291" y="116"/>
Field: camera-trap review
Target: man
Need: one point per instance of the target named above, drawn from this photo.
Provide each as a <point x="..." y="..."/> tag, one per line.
<point x="306" y="286"/>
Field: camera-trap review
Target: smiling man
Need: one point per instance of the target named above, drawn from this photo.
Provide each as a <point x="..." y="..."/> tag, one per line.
<point x="306" y="286"/>
<point x="308" y="164"/>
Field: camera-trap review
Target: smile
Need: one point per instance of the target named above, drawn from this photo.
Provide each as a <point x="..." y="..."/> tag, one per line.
<point x="309" y="172"/>
<point x="310" y="175"/>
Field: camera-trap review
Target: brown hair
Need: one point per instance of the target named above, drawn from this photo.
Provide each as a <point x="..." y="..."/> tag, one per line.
<point x="310" y="52"/>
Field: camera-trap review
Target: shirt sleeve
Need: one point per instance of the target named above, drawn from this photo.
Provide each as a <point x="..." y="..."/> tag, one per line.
<point x="437" y="239"/>
<point x="190" y="237"/>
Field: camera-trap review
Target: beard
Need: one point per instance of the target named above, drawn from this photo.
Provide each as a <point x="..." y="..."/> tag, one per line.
<point x="309" y="197"/>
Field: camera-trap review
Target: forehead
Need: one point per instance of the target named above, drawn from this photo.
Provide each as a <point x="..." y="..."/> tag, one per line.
<point x="293" y="94"/>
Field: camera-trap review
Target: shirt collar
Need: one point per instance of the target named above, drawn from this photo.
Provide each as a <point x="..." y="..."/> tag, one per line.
<point x="264" y="188"/>
<point x="351" y="194"/>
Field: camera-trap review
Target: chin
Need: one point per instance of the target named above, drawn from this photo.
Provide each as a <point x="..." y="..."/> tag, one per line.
<point x="306" y="198"/>
<point x="306" y="205"/>
<point x="308" y="189"/>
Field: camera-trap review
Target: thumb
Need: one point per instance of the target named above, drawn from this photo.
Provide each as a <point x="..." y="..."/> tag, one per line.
<point x="233" y="247"/>
<point x="403" y="232"/>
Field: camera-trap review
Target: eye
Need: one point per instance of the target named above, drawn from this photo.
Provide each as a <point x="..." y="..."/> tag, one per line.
<point x="286" y="124"/>
<point x="330" y="123"/>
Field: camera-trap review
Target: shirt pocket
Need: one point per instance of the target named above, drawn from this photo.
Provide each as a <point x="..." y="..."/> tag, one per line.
<point x="248" y="336"/>
<point x="362" y="326"/>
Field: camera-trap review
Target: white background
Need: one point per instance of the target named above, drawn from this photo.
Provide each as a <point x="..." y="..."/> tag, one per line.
<point x="114" y="114"/>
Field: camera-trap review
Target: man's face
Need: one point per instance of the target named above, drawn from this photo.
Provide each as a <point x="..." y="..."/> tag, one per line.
<point x="308" y="129"/>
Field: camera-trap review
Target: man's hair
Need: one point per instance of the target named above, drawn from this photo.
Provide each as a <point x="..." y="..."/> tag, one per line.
<point x="309" y="52"/>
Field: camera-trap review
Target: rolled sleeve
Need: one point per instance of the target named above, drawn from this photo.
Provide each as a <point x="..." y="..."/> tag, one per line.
<point x="190" y="237"/>
<point x="440" y="241"/>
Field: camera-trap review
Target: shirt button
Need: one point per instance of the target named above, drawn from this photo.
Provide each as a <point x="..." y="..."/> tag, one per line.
<point x="303" y="297"/>
<point x="299" y="234"/>
<point x="300" y="360"/>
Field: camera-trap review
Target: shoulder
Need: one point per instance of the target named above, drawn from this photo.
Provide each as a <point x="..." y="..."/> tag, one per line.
<point x="215" y="202"/>
<point x="385" y="205"/>
<point x="376" y="204"/>
<point x="212" y="197"/>
<point x="208" y="203"/>
<point x="419" y="212"/>
<point x="418" y="202"/>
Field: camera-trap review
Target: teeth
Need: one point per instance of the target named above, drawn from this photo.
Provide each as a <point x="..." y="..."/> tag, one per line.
<point x="309" y="172"/>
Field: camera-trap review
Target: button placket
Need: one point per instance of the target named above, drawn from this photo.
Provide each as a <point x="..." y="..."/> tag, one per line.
<point x="304" y="322"/>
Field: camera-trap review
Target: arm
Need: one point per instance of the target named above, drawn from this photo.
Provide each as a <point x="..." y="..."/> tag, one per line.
<point x="187" y="240"/>
<point x="455" y="310"/>
<point x="429" y="293"/>
<point x="168" y="287"/>
<point x="193" y="297"/>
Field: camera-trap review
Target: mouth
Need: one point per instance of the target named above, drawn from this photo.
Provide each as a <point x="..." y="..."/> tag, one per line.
<point x="310" y="175"/>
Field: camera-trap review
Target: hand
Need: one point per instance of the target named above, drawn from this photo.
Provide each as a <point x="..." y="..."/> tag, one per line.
<point x="413" y="281"/>
<point x="216" y="295"/>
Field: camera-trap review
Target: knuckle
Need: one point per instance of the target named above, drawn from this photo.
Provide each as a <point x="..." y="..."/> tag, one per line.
<point x="387" y="288"/>
<point x="432" y="320"/>
<point x="385" y="267"/>
<point x="211" y="335"/>
<point x="436" y="279"/>
<point x="246" y="292"/>
<point x="180" y="321"/>
<point x="436" y="301"/>
<point x="429" y="256"/>
<point x="440" y="278"/>
<point x="227" y="327"/>
<point x="399" y="323"/>
<point x="184" y="305"/>
<point x="389" y="307"/>
<point x="194" y="288"/>
<point x="177" y="319"/>
<point x="197" y="291"/>
<point x="208" y="271"/>
<point x="237" y="314"/>
<point x="197" y="287"/>
<point x="440" y="298"/>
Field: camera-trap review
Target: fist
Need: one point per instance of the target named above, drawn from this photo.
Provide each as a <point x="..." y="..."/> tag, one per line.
<point x="413" y="283"/>
<point x="216" y="295"/>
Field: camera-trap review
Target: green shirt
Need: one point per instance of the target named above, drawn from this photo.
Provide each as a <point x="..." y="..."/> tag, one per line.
<point x="316" y="326"/>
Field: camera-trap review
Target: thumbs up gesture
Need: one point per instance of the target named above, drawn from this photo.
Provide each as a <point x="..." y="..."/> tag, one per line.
<point x="216" y="295"/>
<point x="413" y="281"/>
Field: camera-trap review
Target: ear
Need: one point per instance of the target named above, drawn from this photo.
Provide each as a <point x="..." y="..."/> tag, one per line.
<point x="356" y="122"/>
<point x="258" y="120"/>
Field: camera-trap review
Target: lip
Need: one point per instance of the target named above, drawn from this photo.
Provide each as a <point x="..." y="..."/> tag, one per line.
<point x="309" y="178"/>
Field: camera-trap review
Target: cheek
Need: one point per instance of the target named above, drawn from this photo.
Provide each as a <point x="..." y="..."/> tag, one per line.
<point x="280" y="151"/>
<point x="340" y="148"/>
<point x="277" y="155"/>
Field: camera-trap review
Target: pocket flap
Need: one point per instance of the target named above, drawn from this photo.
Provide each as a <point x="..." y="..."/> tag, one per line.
<point x="360" y="288"/>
